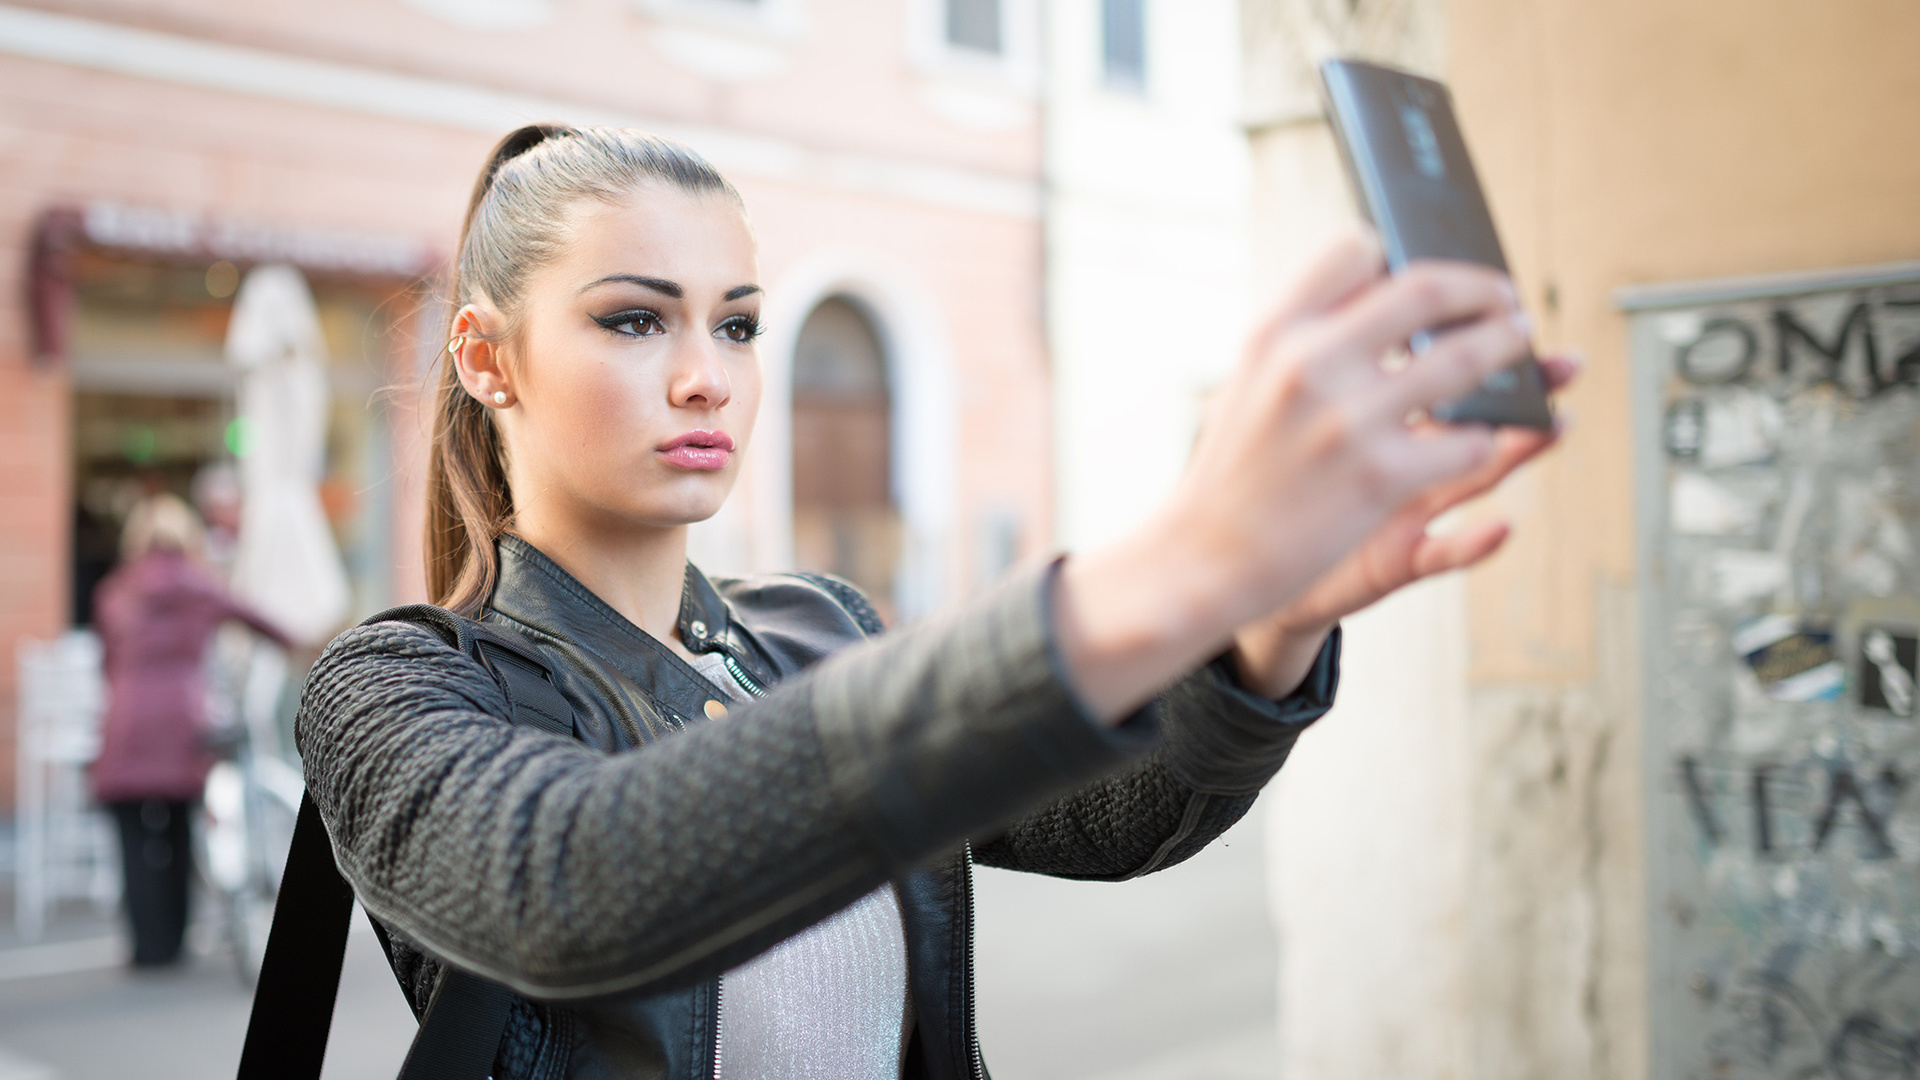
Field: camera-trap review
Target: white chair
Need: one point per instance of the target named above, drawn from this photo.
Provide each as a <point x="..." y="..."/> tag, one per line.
<point x="64" y="848"/>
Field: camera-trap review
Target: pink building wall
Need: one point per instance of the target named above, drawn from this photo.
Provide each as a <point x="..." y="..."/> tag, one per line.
<point x="834" y="148"/>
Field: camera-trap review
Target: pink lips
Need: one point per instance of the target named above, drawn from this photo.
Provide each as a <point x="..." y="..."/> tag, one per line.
<point x="699" y="450"/>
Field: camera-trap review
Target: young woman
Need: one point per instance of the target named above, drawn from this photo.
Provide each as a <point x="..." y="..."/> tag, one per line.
<point x="753" y="861"/>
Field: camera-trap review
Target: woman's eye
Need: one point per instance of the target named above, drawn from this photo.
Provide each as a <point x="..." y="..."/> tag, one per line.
<point x="740" y="329"/>
<point x="633" y="323"/>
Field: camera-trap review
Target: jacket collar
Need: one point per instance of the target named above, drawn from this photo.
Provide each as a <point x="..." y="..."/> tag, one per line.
<point x="706" y="619"/>
<point x="536" y="591"/>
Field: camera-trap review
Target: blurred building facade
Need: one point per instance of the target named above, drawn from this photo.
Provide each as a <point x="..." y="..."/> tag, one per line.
<point x="1628" y="801"/>
<point x="889" y="154"/>
<point x="1147" y="199"/>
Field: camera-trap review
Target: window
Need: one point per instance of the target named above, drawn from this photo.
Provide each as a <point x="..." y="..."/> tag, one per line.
<point x="974" y="24"/>
<point x="845" y="520"/>
<point x="1123" y="44"/>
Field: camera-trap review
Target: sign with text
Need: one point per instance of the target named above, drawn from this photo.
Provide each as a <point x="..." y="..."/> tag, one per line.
<point x="1779" y="475"/>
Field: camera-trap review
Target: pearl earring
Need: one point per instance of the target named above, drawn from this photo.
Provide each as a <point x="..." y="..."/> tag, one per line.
<point x="499" y="397"/>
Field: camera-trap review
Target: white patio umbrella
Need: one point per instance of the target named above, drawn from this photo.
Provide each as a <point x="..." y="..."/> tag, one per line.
<point x="287" y="564"/>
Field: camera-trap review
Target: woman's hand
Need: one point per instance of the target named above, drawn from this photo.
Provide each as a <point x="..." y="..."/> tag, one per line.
<point x="1272" y="656"/>
<point x="1310" y="449"/>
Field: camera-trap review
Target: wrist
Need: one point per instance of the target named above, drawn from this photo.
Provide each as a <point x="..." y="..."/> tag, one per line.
<point x="1272" y="661"/>
<point x="1134" y="616"/>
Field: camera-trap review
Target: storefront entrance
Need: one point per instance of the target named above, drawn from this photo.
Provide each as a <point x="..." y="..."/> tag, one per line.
<point x="154" y="408"/>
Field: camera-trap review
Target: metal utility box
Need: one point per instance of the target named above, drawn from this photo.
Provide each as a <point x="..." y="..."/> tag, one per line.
<point x="1778" y="476"/>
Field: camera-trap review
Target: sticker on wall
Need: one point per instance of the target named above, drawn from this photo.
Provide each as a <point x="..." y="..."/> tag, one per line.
<point x="1697" y="506"/>
<point x="1741" y="577"/>
<point x="1728" y="430"/>
<point x="1792" y="661"/>
<point x="1685" y="428"/>
<point x="1889" y="670"/>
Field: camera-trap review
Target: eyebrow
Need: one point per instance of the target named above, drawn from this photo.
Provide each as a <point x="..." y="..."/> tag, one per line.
<point x="665" y="287"/>
<point x="659" y="285"/>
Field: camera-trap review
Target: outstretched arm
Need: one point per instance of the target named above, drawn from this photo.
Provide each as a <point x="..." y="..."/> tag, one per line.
<point x="564" y="872"/>
<point x="1220" y="746"/>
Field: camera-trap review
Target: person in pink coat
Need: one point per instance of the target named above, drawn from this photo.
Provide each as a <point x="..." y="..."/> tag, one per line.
<point x="156" y="614"/>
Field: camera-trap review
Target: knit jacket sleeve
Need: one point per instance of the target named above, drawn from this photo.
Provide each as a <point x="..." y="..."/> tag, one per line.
<point x="1220" y="745"/>
<point x="566" y="873"/>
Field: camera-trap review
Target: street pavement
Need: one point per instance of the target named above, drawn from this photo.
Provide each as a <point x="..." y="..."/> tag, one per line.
<point x="104" y="1022"/>
<point x="1167" y="978"/>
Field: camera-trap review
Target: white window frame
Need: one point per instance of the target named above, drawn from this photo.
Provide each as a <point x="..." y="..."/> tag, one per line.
<point x="1017" y="67"/>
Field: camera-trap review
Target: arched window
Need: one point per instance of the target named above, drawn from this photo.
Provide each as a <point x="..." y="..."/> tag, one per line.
<point x="845" y="520"/>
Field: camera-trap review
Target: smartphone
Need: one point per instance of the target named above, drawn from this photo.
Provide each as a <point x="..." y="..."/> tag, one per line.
<point x="1415" y="182"/>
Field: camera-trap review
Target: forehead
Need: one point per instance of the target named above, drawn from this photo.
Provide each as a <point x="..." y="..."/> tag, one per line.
<point x="699" y="240"/>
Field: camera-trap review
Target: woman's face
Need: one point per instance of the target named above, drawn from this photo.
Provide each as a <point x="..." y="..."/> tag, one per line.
<point x="635" y="378"/>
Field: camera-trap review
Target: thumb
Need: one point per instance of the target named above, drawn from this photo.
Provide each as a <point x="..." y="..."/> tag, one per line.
<point x="1459" y="549"/>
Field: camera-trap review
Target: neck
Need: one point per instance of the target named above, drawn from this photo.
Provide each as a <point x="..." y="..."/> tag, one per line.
<point x="638" y="572"/>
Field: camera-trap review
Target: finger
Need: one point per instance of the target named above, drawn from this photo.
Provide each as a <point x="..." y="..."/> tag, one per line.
<point x="1512" y="448"/>
<point x="1560" y="369"/>
<point x="1441" y="456"/>
<point x="1344" y="266"/>
<point x="1425" y="296"/>
<point x="1459" y="549"/>
<point x="1457" y="363"/>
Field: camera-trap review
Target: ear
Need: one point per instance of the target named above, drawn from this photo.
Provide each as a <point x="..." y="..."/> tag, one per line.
<point x="476" y="359"/>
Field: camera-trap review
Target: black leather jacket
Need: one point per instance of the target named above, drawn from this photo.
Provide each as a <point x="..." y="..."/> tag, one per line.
<point x="612" y="883"/>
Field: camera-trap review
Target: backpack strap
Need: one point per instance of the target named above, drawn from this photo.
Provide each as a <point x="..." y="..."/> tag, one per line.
<point x="514" y="664"/>
<point x="300" y="975"/>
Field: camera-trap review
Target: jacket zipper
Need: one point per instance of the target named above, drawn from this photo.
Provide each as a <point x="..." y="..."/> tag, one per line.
<point x="973" y="1025"/>
<point x="753" y="689"/>
<point x="746" y="681"/>
<point x="719" y="989"/>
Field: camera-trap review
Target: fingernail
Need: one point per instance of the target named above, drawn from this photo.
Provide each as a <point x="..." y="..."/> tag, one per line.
<point x="1563" y="419"/>
<point x="1576" y="357"/>
<point x="1523" y="323"/>
<point x="1507" y="290"/>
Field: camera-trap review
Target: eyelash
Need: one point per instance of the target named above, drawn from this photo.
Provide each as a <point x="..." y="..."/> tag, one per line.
<point x="751" y="326"/>
<point x="640" y="316"/>
<point x="636" y="316"/>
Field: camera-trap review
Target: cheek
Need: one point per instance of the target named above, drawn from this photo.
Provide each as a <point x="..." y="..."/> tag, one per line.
<point x="745" y="406"/>
<point x="597" y="410"/>
<point x="621" y="414"/>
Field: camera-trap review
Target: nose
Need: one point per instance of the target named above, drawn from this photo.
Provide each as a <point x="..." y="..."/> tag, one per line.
<point x="700" y="378"/>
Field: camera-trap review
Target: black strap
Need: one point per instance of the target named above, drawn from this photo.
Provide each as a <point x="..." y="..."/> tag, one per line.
<point x="536" y="702"/>
<point x="460" y="1035"/>
<point x="300" y="976"/>
<point x="293" y="1000"/>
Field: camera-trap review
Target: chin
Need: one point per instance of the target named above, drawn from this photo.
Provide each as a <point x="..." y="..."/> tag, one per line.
<point x="684" y="507"/>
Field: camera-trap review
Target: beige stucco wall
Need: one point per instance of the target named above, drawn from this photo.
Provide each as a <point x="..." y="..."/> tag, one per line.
<point x="1458" y="856"/>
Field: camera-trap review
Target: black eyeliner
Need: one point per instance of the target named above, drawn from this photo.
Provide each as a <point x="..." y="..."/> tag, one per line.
<point x="631" y="315"/>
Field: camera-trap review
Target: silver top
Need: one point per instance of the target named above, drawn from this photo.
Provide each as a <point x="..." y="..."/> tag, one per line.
<point x="829" y="1003"/>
